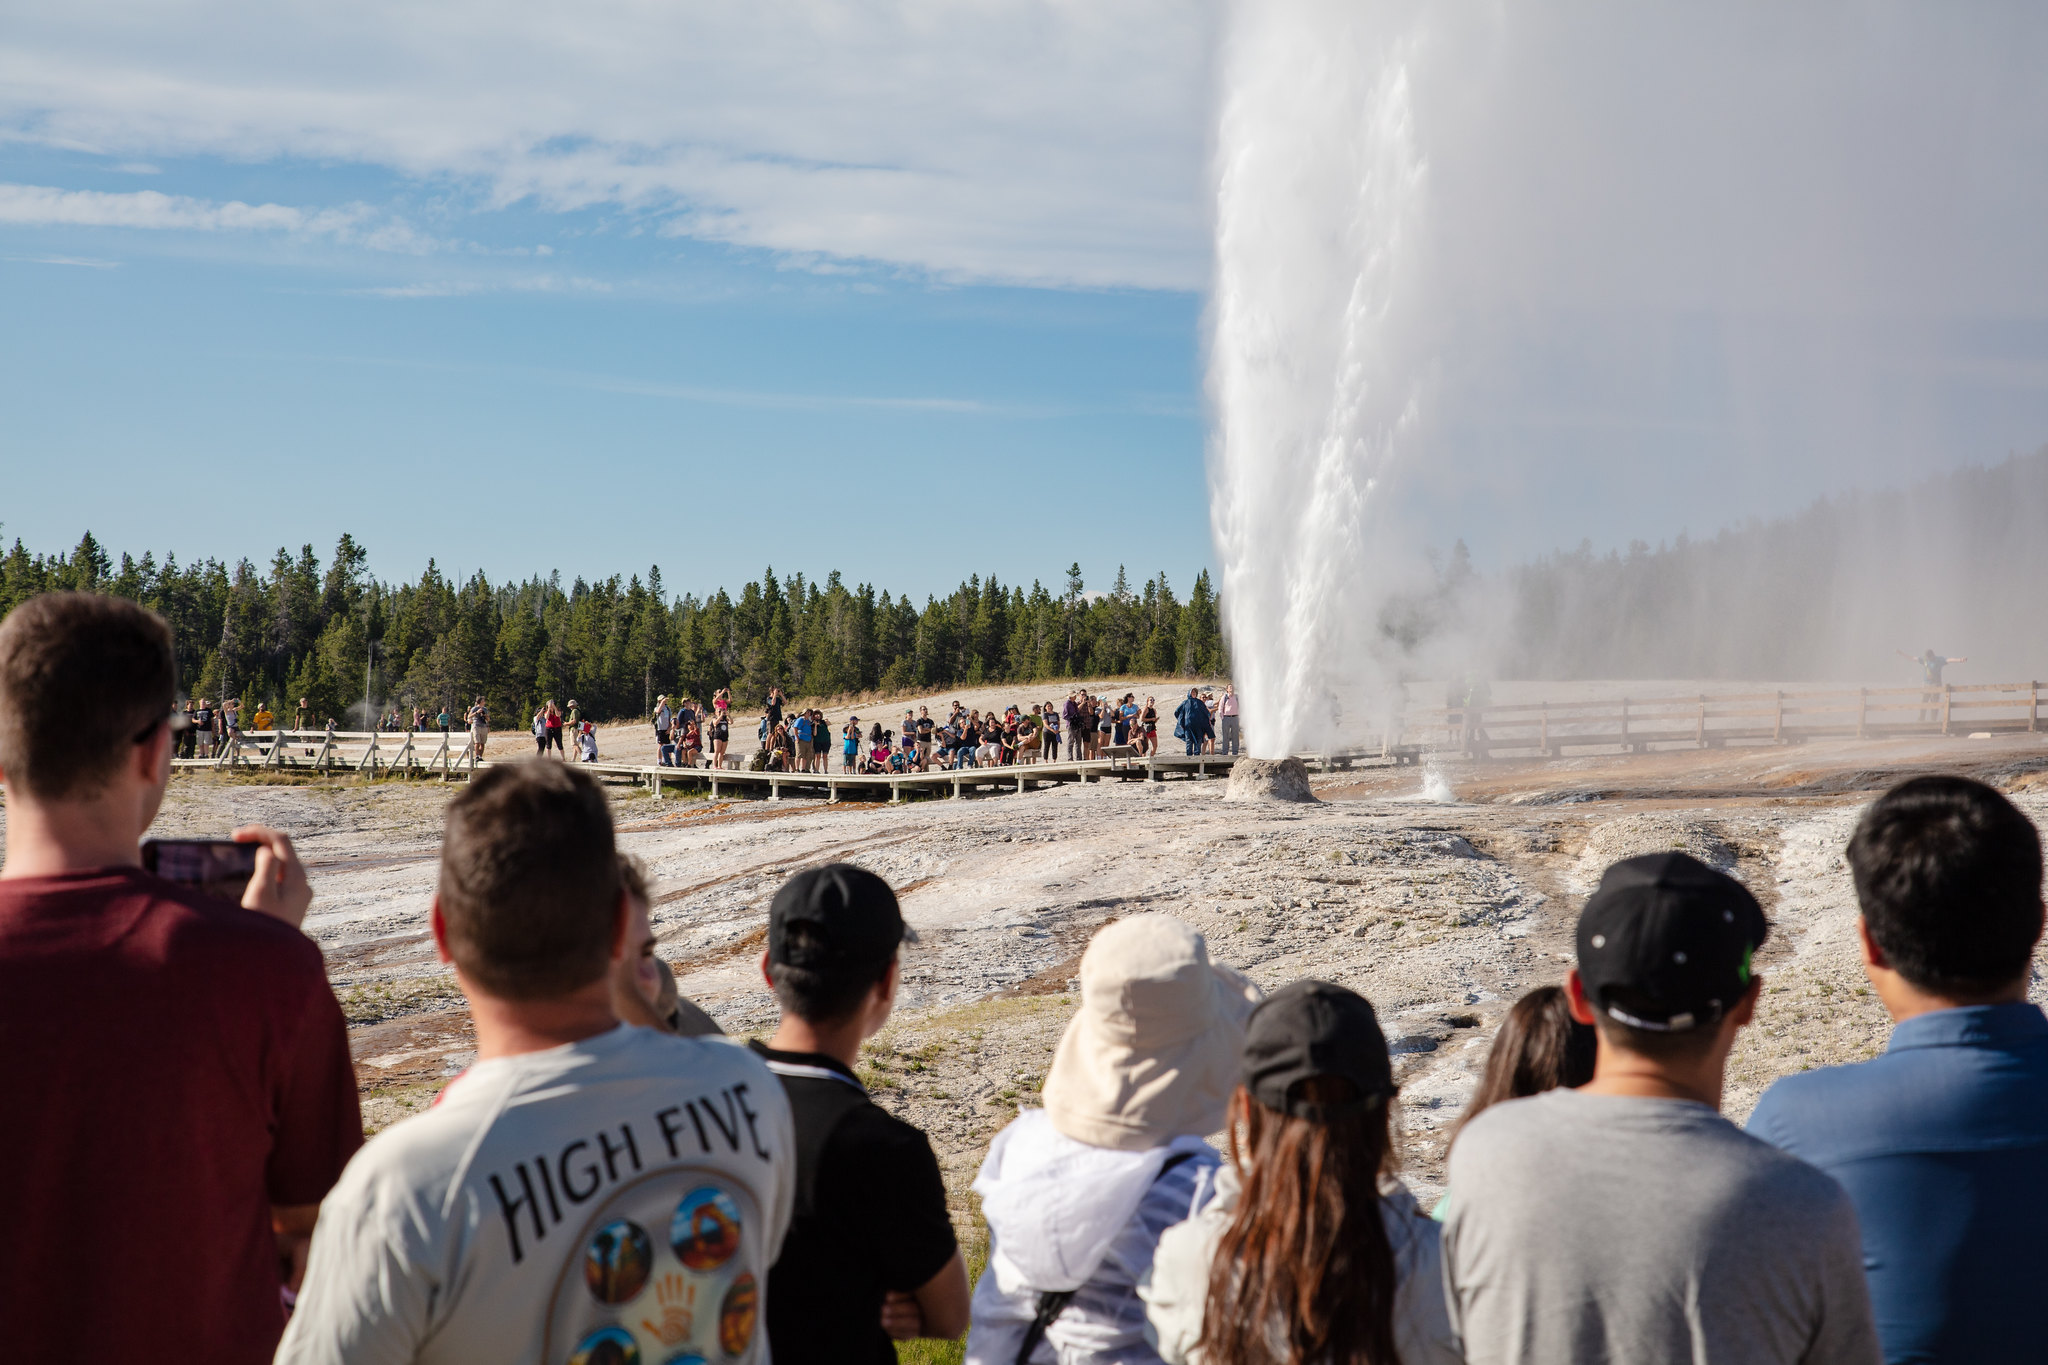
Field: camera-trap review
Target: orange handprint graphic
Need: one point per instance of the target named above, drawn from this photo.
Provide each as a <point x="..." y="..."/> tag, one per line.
<point x="678" y="1300"/>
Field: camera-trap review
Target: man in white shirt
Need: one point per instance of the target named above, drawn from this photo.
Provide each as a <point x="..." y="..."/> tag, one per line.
<point x="587" y="1191"/>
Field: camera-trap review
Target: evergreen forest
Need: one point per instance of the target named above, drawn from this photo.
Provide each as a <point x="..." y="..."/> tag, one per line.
<point x="332" y="632"/>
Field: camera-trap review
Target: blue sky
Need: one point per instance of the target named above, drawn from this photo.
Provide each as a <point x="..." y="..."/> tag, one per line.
<point x="524" y="288"/>
<point x="913" y="296"/>
<point x="623" y="400"/>
<point x="661" y="403"/>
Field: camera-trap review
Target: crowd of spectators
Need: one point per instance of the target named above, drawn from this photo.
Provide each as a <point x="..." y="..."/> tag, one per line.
<point x="614" y="1181"/>
<point x="1082" y="726"/>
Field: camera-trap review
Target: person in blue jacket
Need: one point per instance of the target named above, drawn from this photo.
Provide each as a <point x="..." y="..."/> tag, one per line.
<point x="1191" y="723"/>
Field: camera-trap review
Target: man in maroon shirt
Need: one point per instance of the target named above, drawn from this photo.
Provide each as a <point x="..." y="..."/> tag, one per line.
<point x="174" y="1068"/>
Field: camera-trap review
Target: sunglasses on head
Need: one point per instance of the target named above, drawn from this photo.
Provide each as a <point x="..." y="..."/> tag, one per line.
<point x="177" y="721"/>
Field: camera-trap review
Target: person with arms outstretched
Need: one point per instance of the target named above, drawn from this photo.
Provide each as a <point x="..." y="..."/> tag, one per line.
<point x="1931" y="665"/>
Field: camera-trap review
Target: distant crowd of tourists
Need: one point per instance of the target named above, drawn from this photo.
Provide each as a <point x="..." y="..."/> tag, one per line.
<point x="612" y="1180"/>
<point x="689" y="734"/>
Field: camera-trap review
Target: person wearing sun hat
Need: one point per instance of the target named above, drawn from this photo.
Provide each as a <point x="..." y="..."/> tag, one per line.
<point x="1627" y="1220"/>
<point x="1076" y="1194"/>
<point x="1333" y="1258"/>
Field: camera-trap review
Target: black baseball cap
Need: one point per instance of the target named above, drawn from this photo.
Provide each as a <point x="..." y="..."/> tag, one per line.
<point x="850" y="918"/>
<point x="1313" y="1028"/>
<point x="1666" y="942"/>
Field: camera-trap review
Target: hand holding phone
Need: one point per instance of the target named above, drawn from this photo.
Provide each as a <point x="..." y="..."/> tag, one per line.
<point x="256" y="869"/>
<point x="278" y="887"/>
<point x="219" y="867"/>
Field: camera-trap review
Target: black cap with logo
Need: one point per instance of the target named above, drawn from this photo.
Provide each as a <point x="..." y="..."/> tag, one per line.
<point x="1313" y="1028"/>
<point x="1666" y="942"/>
<point x="849" y="916"/>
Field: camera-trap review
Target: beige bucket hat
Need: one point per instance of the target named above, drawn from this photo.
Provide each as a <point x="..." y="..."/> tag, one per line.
<point x="1153" y="1054"/>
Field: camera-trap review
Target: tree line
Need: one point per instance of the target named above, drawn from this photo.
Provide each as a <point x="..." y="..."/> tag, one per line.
<point x="335" y="634"/>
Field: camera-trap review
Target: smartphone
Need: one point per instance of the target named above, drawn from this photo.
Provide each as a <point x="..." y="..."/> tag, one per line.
<point x="219" y="867"/>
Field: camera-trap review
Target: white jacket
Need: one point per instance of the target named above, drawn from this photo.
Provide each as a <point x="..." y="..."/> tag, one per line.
<point x="1063" y="1215"/>
<point x="1178" y="1286"/>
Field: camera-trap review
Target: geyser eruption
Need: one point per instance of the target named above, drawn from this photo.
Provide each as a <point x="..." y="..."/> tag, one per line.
<point x="1319" y="201"/>
<point x="1529" y="276"/>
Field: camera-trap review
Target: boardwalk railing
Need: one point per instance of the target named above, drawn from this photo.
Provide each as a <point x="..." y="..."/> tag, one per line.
<point x="952" y="782"/>
<point x="1548" y="728"/>
<point x="1704" y="721"/>
<point x="339" y="751"/>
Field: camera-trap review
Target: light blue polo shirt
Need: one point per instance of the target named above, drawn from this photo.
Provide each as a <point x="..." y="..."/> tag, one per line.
<point x="1942" y="1143"/>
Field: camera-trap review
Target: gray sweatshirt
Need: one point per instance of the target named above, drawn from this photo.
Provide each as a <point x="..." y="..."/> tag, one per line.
<point x="1594" y="1228"/>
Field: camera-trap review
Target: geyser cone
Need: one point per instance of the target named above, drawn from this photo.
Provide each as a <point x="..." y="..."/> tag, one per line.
<point x="1269" y="779"/>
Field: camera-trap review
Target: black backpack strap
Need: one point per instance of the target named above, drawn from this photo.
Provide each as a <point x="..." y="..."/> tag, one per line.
<point x="1053" y="1303"/>
<point x="1050" y="1306"/>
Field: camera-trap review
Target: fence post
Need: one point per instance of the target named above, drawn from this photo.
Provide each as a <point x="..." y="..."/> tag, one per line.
<point x="1945" y="689"/>
<point x="1862" y="710"/>
<point x="1778" y="722"/>
<point x="1624" y="723"/>
<point x="1701" y="738"/>
<point x="2033" y="705"/>
<point x="1543" y="730"/>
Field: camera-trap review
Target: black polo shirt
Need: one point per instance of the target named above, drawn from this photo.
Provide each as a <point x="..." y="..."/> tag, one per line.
<point x="870" y="1217"/>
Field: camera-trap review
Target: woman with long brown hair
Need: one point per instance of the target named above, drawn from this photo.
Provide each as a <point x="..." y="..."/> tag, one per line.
<point x="1311" y="1253"/>
<point x="1538" y="1047"/>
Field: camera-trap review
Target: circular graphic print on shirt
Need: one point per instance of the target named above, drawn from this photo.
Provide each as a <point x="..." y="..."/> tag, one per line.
<point x="697" y="1230"/>
<point x="617" y="1261"/>
<point x="736" y="1315"/>
<point x="705" y="1231"/>
<point x="607" y="1346"/>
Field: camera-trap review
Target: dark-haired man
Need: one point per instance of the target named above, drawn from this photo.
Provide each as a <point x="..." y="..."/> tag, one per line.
<point x="1942" y="1141"/>
<point x="1627" y="1221"/>
<point x="587" y="1190"/>
<point x="871" y="1252"/>
<point x="177" y="1066"/>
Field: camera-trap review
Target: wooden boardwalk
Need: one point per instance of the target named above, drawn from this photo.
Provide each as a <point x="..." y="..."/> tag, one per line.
<point x="948" y="782"/>
<point x="450" y="757"/>
<point x="1546" y="729"/>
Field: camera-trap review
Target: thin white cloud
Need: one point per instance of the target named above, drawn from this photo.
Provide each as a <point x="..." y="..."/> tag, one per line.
<point x="748" y="398"/>
<point x="629" y="386"/>
<point x="89" y="262"/>
<point x="357" y="224"/>
<point x="1042" y="141"/>
<point x="531" y="284"/>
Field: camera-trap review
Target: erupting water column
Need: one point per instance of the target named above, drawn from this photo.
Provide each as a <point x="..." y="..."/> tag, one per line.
<point x="1319" y="196"/>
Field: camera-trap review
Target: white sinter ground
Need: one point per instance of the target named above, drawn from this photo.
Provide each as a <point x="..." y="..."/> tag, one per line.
<point x="1441" y="914"/>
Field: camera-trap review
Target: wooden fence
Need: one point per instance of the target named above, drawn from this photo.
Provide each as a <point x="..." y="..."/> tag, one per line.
<point x="340" y="751"/>
<point x="1547" y="728"/>
<point x="1707" y="721"/>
